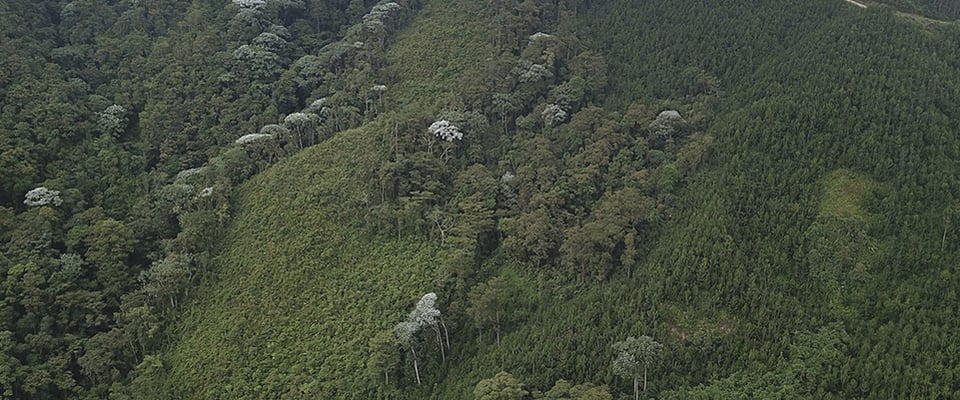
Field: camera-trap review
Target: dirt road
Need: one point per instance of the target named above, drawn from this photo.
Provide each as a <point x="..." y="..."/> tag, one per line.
<point x="856" y="3"/>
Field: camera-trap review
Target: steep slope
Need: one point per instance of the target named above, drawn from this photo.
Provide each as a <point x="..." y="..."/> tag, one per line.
<point x="813" y="254"/>
<point x="300" y="287"/>
<point x="297" y="291"/>
<point x="822" y="87"/>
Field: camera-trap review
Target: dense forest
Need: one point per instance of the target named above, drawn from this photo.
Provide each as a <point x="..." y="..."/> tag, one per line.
<point x="498" y="199"/>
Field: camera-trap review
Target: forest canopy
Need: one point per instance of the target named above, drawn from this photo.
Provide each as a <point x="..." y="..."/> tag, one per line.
<point x="479" y="199"/>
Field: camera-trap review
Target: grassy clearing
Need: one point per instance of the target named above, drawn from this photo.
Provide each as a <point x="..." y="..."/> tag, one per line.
<point x="844" y="194"/>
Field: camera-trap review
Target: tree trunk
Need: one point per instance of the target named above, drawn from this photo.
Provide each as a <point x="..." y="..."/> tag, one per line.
<point x="386" y="377"/>
<point x="497" y="327"/>
<point x="446" y="333"/>
<point x="943" y="241"/>
<point x="416" y="368"/>
<point x="636" y="388"/>
<point x="644" y="379"/>
<point x="443" y="354"/>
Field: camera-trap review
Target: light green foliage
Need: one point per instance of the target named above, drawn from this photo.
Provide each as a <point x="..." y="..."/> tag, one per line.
<point x="384" y="356"/>
<point x="845" y="195"/>
<point x="564" y="390"/>
<point x="272" y="290"/>
<point x="502" y="386"/>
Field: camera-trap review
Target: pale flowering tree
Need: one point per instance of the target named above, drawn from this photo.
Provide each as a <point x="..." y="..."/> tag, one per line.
<point x="112" y="121"/>
<point x="667" y="125"/>
<point x="553" y="115"/>
<point x="445" y="130"/>
<point x="318" y="106"/>
<point x="528" y="72"/>
<point x="406" y="333"/>
<point x="42" y="196"/>
<point x="378" y="90"/>
<point x="375" y="22"/>
<point x="250" y="3"/>
<point x="381" y="11"/>
<point x="540" y="35"/>
<point x="275" y="130"/>
<point x="188" y="173"/>
<point x="270" y="41"/>
<point x="261" y="62"/>
<point x="252" y="137"/>
<point x="424" y="314"/>
<point x="427" y="314"/>
<point x="634" y="355"/>
<point x="303" y="125"/>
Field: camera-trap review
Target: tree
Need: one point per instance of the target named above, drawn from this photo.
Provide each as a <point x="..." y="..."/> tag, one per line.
<point x="553" y="115"/>
<point x="112" y="121"/>
<point x="634" y="354"/>
<point x="533" y="236"/>
<point x="109" y="243"/>
<point x="406" y="333"/>
<point x="166" y="279"/>
<point x="564" y="390"/>
<point x="42" y="196"/>
<point x="445" y="130"/>
<point x="503" y="386"/>
<point x="668" y="125"/>
<point x="10" y="366"/>
<point x="304" y="126"/>
<point x="424" y="314"/>
<point x="486" y="303"/>
<point x="383" y="355"/>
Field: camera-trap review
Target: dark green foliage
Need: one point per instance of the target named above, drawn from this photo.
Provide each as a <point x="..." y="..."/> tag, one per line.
<point x="808" y="182"/>
<point x="113" y="105"/>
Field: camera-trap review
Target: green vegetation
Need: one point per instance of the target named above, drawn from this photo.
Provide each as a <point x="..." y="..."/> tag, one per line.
<point x="937" y="9"/>
<point x="293" y="317"/>
<point x="845" y="194"/>
<point x="578" y="200"/>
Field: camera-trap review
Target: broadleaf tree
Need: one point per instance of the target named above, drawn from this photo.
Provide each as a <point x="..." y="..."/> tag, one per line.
<point x="633" y="356"/>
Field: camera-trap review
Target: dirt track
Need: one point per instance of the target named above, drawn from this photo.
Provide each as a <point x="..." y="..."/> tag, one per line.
<point x="856" y="3"/>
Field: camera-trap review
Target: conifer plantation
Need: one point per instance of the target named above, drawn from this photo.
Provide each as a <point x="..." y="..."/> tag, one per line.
<point x="487" y="199"/>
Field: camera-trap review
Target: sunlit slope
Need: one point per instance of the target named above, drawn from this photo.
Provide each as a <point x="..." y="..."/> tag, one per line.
<point x="298" y="292"/>
<point x="300" y="285"/>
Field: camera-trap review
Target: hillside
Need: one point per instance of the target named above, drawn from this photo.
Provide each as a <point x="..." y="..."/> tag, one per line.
<point x="814" y="222"/>
<point x="286" y="318"/>
<point x="428" y="199"/>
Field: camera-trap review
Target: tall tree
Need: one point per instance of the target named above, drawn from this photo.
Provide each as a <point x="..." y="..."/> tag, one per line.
<point x="633" y="356"/>
<point x="406" y="333"/>
<point x="486" y="303"/>
<point x="383" y="355"/>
